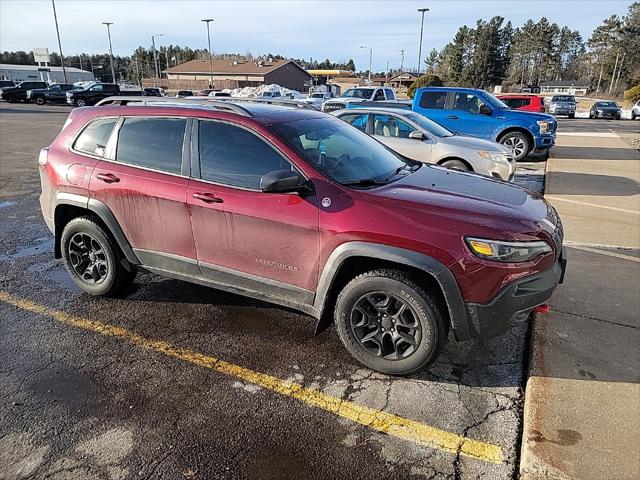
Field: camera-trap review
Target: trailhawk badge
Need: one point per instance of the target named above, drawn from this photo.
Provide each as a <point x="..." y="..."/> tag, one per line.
<point x="326" y="202"/>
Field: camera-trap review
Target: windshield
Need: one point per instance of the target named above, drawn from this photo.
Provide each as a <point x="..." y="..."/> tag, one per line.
<point x="429" y="125"/>
<point x="359" y="92"/>
<point x="607" y="104"/>
<point x="317" y="95"/>
<point x="563" y="99"/>
<point x="494" y="102"/>
<point x="341" y="151"/>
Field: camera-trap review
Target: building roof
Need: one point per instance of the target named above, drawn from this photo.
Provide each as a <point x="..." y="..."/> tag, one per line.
<point x="564" y="83"/>
<point x="34" y="68"/>
<point x="403" y="74"/>
<point x="222" y="66"/>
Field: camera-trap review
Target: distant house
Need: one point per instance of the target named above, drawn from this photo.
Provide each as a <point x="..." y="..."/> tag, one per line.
<point x="572" y="87"/>
<point x="238" y="74"/>
<point x="21" y="73"/>
<point x="402" y="80"/>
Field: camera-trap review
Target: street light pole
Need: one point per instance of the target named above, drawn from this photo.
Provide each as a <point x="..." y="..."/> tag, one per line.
<point x="55" y="18"/>
<point x="421" y="10"/>
<point x="113" y="72"/>
<point x="370" y="58"/>
<point x="155" y="58"/>
<point x="207" y="20"/>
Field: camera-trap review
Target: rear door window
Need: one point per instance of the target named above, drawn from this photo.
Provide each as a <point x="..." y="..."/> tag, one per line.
<point x="433" y="100"/>
<point x="389" y="93"/>
<point x="94" y="137"/>
<point x="467" y="102"/>
<point x="390" y="126"/>
<point x="358" y="121"/>
<point x="154" y="143"/>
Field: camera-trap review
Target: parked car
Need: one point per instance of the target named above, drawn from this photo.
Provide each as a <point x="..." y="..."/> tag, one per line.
<point x="56" y="93"/>
<point x="360" y="95"/>
<point x="563" y="105"/>
<point x="219" y="93"/>
<point x="526" y="103"/>
<point x="92" y="94"/>
<point x="18" y="93"/>
<point x="205" y="92"/>
<point x="6" y="83"/>
<point x="184" y="93"/>
<point x="418" y="138"/>
<point x="635" y="111"/>
<point x="605" y="109"/>
<point x="479" y="114"/>
<point x="298" y="208"/>
<point x="317" y="99"/>
<point x="153" y="92"/>
<point x="275" y="94"/>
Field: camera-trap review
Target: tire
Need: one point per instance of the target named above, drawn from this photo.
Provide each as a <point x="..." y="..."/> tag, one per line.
<point x="572" y="115"/>
<point x="422" y="321"/>
<point x="80" y="102"/>
<point x="39" y="101"/>
<point x="455" y="164"/>
<point x="84" y="234"/>
<point x="519" y="144"/>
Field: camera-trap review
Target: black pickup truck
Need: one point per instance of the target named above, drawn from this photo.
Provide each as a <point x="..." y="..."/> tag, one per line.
<point x="19" y="92"/>
<point x="56" y="93"/>
<point x="92" y="94"/>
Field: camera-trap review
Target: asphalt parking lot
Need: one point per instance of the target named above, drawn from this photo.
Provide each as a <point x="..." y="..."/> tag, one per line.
<point x="180" y="381"/>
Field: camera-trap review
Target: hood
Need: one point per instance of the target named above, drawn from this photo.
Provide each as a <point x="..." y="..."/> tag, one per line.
<point x="531" y="116"/>
<point x="474" y="143"/>
<point x="481" y="205"/>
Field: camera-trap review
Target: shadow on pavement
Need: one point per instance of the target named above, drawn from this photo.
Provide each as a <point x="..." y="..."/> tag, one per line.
<point x="594" y="153"/>
<point x="570" y="183"/>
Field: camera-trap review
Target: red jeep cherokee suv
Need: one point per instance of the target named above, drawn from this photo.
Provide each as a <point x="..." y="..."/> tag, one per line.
<point x="298" y="208"/>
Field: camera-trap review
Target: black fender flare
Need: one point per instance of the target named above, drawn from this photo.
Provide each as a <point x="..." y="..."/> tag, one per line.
<point x="104" y="213"/>
<point x="431" y="266"/>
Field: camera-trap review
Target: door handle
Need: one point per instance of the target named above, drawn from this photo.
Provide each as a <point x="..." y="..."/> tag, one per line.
<point x="208" y="197"/>
<point x="453" y="117"/>
<point x="108" y="177"/>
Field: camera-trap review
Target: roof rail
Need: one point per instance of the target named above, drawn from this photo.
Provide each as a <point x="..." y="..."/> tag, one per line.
<point x="269" y="101"/>
<point x="170" y="101"/>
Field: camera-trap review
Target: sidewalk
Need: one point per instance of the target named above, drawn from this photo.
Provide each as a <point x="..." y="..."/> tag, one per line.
<point x="582" y="399"/>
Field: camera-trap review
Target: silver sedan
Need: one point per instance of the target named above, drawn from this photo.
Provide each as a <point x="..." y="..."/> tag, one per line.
<point x="415" y="136"/>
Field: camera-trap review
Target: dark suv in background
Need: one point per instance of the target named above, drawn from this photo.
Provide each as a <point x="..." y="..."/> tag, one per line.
<point x="56" y="93"/>
<point x="92" y="94"/>
<point x="298" y="208"/>
<point x="18" y="93"/>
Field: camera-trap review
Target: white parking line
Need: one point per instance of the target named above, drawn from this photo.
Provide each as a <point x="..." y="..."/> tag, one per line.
<point x="19" y="153"/>
<point x="587" y="134"/>
<point x="603" y="252"/>
<point x="577" y="202"/>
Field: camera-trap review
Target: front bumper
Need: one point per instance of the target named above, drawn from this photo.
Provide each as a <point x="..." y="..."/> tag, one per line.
<point x="563" y="111"/>
<point x="515" y="302"/>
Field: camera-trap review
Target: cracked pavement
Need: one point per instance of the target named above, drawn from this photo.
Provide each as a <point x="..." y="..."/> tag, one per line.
<point x="75" y="404"/>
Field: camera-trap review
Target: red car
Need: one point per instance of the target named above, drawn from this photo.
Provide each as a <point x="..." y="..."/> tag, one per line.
<point x="298" y="208"/>
<point x="528" y="103"/>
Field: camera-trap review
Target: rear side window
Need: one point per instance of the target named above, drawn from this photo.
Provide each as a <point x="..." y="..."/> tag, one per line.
<point x="390" y="126"/>
<point x="433" y="100"/>
<point x="516" y="102"/>
<point x="358" y="121"/>
<point x="233" y="156"/>
<point x="152" y="143"/>
<point x="390" y="95"/>
<point x="94" y="137"/>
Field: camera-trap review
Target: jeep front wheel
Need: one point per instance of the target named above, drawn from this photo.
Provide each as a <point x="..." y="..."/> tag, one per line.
<point x="93" y="259"/>
<point x="39" y="100"/>
<point x="389" y="323"/>
<point x="518" y="143"/>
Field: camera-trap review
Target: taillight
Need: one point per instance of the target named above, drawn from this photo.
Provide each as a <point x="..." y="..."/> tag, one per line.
<point x="42" y="158"/>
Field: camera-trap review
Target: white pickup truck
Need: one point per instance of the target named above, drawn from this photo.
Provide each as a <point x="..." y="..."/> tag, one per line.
<point x="360" y="94"/>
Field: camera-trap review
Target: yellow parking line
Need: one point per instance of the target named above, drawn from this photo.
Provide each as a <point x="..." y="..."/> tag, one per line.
<point x="376" y="419"/>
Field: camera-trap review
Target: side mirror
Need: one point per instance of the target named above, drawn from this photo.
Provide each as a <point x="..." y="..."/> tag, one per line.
<point x="484" y="110"/>
<point x="283" y="181"/>
<point x="416" y="135"/>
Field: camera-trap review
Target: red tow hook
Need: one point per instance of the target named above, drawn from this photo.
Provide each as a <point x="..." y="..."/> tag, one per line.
<point x="544" y="308"/>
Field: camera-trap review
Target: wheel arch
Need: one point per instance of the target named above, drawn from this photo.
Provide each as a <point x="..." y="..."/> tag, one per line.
<point x="445" y="159"/>
<point x="69" y="206"/>
<point x="353" y="258"/>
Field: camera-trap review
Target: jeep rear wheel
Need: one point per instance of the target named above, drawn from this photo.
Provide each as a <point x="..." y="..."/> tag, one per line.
<point x="518" y="143"/>
<point x="93" y="259"/>
<point x="80" y="103"/>
<point x="389" y="323"/>
<point x="39" y="100"/>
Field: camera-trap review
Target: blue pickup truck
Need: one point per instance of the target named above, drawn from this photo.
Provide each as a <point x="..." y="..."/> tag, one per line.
<point x="477" y="113"/>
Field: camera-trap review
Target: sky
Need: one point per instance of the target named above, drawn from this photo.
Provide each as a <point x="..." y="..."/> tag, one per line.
<point x="331" y="29"/>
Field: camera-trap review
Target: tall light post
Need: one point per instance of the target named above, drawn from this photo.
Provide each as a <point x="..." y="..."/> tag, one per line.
<point x="207" y="21"/>
<point x="55" y="18"/>
<point x="421" y="10"/>
<point x="113" y="72"/>
<point x="155" y="58"/>
<point x="370" y="58"/>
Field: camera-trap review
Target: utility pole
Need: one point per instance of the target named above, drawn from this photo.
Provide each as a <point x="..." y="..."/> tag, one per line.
<point x="207" y="21"/>
<point x="113" y="72"/>
<point x="401" y="60"/>
<point x="422" y="11"/>
<point x="155" y="58"/>
<point x="55" y="18"/>
<point x="370" y="59"/>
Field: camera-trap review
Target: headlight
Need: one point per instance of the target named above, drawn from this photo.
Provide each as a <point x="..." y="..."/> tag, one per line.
<point x="544" y="125"/>
<point x="493" y="156"/>
<point x="507" y="251"/>
<point x="599" y="111"/>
